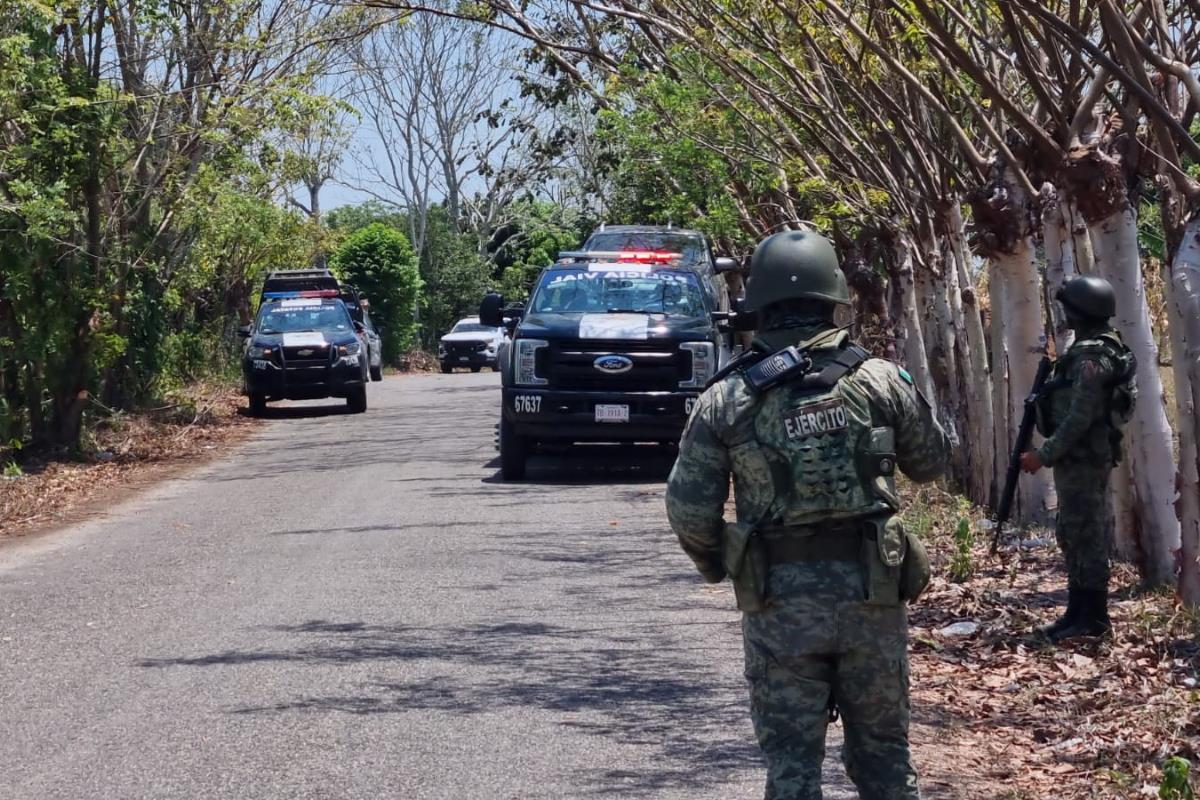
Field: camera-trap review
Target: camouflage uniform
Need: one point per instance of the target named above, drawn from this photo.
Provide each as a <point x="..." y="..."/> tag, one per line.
<point x="818" y="638"/>
<point x="1082" y="451"/>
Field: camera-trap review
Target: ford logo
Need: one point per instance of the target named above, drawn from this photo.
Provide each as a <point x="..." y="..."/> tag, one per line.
<point x="613" y="365"/>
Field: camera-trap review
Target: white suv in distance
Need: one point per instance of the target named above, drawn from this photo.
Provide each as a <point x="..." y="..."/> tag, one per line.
<point x="469" y="344"/>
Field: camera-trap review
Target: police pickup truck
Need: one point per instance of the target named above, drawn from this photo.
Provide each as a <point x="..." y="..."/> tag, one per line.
<point x="289" y="284"/>
<point x="303" y="348"/>
<point x="613" y="345"/>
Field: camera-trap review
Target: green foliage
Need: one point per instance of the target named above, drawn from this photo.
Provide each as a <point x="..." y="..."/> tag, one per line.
<point x="350" y="218"/>
<point x="961" y="564"/>
<point x="1176" y="784"/>
<point x="456" y="276"/>
<point x="380" y="262"/>
<point x="535" y="237"/>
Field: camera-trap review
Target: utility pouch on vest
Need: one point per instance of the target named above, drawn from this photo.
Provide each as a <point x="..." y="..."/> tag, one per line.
<point x="914" y="572"/>
<point x="884" y="547"/>
<point x="745" y="558"/>
<point x="877" y="464"/>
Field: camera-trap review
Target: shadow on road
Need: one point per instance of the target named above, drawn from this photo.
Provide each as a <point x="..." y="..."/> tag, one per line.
<point x="593" y="465"/>
<point x="636" y="683"/>
<point x="299" y="412"/>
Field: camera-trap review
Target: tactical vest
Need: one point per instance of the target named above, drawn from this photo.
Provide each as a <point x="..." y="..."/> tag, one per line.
<point x="814" y="448"/>
<point x="1054" y="400"/>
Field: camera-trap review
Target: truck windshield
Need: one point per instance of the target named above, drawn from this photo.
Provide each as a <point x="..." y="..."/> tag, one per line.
<point x="291" y="316"/>
<point x="689" y="245"/>
<point x="615" y="288"/>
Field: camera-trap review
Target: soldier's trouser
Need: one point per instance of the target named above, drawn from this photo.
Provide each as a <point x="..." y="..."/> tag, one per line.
<point x="1082" y="527"/>
<point x="820" y="640"/>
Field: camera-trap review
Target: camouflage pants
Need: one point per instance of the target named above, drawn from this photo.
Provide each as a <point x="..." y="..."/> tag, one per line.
<point x="820" y="640"/>
<point x="1082" y="527"/>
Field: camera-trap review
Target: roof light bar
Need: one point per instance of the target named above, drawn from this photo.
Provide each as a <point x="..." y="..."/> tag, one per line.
<point x="291" y="295"/>
<point x="627" y="256"/>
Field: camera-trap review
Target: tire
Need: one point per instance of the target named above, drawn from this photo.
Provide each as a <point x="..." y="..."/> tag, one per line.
<point x="258" y="405"/>
<point x="514" y="451"/>
<point x="356" y="401"/>
<point x="377" y="373"/>
<point x="476" y="369"/>
<point x="447" y="369"/>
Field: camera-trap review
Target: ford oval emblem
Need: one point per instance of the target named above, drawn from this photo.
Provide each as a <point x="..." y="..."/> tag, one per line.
<point x="613" y="365"/>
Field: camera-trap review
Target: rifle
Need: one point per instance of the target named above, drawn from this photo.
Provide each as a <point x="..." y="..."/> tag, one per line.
<point x="1024" y="436"/>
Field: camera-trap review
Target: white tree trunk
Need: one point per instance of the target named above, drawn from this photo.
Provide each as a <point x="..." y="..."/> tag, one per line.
<point x="1081" y="238"/>
<point x="1184" y="300"/>
<point x="1148" y="444"/>
<point x="1060" y="264"/>
<point x="916" y="359"/>
<point x="1123" y="514"/>
<point x="1002" y="444"/>
<point x="1025" y="343"/>
<point x="973" y="367"/>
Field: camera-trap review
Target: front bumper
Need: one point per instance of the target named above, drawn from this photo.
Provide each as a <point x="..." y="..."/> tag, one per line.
<point x="570" y="416"/>
<point x="263" y="377"/>
<point x="468" y="359"/>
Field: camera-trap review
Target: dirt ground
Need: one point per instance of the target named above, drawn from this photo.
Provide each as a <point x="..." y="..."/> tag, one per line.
<point x="999" y="713"/>
<point x="122" y="453"/>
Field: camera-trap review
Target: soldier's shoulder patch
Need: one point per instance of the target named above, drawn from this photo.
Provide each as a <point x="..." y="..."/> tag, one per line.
<point x="904" y="374"/>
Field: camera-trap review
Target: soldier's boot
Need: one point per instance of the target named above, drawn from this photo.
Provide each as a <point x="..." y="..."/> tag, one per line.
<point x="1067" y="619"/>
<point x="1092" y="619"/>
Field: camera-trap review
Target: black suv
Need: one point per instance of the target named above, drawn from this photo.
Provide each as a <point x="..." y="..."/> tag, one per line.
<point x="615" y="344"/>
<point x="301" y="349"/>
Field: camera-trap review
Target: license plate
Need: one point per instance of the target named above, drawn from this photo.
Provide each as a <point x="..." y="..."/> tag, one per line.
<point x="606" y="413"/>
<point x="464" y="358"/>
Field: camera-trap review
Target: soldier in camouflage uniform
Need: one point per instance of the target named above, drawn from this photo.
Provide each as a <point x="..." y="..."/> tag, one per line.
<point x="1081" y="410"/>
<point x="811" y="459"/>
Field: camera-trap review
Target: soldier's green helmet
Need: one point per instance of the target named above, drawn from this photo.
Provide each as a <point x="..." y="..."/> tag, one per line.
<point x="793" y="265"/>
<point x="1088" y="296"/>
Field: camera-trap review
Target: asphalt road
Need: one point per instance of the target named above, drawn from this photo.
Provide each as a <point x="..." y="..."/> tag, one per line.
<point x="356" y="607"/>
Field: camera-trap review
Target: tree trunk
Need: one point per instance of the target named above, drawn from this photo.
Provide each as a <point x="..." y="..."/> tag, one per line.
<point x="1184" y="302"/>
<point x="973" y="367"/>
<point x="1148" y="444"/>
<point x="916" y="359"/>
<point x="1081" y="238"/>
<point x="1023" y="332"/>
<point x="999" y="372"/>
<point x="1060" y="265"/>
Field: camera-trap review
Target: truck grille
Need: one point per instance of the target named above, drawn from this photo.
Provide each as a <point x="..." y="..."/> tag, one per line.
<point x="309" y="360"/>
<point x="464" y="348"/>
<point x="657" y="366"/>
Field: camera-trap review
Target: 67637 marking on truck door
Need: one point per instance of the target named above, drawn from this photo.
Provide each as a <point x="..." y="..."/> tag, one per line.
<point x="527" y="403"/>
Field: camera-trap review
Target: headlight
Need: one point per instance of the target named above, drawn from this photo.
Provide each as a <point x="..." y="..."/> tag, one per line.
<point x="527" y="362"/>
<point x="258" y="351"/>
<point x="352" y="349"/>
<point x="704" y="364"/>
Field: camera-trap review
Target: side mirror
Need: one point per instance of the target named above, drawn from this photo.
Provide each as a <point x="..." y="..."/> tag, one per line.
<point x="725" y="264"/>
<point x="738" y="319"/>
<point x="491" y="310"/>
<point x="244" y="331"/>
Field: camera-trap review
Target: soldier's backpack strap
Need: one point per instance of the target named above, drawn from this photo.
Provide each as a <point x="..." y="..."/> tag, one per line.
<point x="847" y="360"/>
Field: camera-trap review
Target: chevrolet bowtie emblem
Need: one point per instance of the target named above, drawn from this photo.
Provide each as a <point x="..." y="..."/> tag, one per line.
<point x="304" y="352"/>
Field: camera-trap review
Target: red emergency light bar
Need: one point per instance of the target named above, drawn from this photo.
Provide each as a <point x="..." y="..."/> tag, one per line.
<point x="648" y="256"/>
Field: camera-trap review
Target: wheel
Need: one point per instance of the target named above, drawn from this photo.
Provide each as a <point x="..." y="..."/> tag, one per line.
<point x="258" y="404"/>
<point x="356" y="401"/>
<point x="377" y="373"/>
<point x="514" y="450"/>
<point x="475" y="369"/>
<point x="447" y="369"/>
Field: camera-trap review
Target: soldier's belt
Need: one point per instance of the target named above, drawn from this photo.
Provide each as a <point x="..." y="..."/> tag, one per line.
<point x="799" y="545"/>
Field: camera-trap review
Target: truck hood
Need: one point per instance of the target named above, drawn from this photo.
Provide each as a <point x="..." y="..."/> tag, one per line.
<point x="617" y="326"/>
<point x="303" y="339"/>
<point x="470" y="336"/>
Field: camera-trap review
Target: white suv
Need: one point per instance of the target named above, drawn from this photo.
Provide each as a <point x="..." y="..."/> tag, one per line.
<point x="469" y="344"/>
